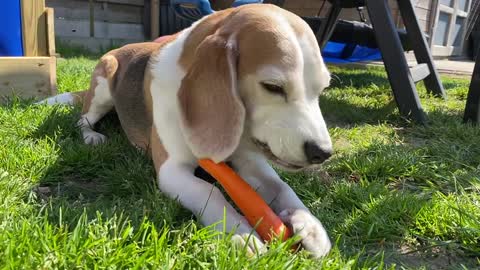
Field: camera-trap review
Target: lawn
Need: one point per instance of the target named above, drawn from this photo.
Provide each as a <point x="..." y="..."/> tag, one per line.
<point x="395" y="194"/>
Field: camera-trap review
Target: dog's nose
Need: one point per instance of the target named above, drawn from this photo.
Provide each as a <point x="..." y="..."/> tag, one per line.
<point x="315" y="154"/>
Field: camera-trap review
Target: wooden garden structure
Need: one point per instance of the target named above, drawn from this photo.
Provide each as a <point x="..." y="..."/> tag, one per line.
<point x="33" y="74"/>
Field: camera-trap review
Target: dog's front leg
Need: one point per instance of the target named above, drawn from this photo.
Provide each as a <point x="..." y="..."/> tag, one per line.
<point x="283" y="200"/>
<point x="177" y="180"/>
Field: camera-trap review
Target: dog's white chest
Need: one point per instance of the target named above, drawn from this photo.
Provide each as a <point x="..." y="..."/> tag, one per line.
<point x="167" y="76"/>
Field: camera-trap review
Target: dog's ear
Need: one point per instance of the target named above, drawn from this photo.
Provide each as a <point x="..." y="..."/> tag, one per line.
<point x="212" y="112"/>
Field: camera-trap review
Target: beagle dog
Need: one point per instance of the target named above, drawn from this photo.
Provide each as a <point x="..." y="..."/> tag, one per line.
<point x="240" y="85"/>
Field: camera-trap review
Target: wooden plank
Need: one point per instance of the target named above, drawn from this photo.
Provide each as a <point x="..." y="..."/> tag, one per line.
<point x="97" y="44"/>
<point x="155" y="19"/>
<point x="139" y="3"/>
<point x="50" y="31"/>
<point x="423" y="25"/>
<point x="34" y="27"/>
<point x="79" y="10"/>
<point x="81" y="28"/>
<point x="423" y="4"/>
<point x="91" y="18"/>
<point x="27" y="76"/>
<point x="42" y="41"/>
<point x="419" y="72"/>
<point x="422" y="13"/>
<point x="52" y="61"/>
<point x="124" y="2"/>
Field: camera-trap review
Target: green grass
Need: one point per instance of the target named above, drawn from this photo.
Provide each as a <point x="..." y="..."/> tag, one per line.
<point x="395" y="195"/>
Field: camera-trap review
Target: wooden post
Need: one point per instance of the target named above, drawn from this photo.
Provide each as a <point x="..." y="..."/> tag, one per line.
<point x="33" y="27"/>
<point x="472" y="107"/>
<point x="33" y="75"/>
<point x="154" y="19"/>
<point x="92" y="18"/>
<point x="50" y="18"/>
<point x="50" y="32"/>
<point x="27" y="77"/>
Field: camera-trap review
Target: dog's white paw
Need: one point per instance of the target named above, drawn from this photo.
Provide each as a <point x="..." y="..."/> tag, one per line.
<point x="313" y="236"/>
<point x="250" y="242"/>
<point x="93" y="138"/>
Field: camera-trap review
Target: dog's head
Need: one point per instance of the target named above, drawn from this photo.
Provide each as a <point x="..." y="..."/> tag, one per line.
<point x="257" y="74"/>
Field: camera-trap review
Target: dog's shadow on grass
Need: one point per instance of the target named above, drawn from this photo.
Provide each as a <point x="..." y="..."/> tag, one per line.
<point x="112" y="179"/>
<point x="116" y="178"/>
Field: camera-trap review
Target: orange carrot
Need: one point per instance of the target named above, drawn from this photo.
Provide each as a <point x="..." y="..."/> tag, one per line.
<point x="256" y="210"/>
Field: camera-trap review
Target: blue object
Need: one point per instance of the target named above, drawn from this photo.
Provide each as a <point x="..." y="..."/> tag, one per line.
<point x="333" y="53"/>
<point x="195" y="9"/>
<point x="11" y="29"/>
<point x="192" y="9"/>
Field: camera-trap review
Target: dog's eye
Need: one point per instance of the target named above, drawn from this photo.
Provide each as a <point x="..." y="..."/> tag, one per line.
<point x="274" y="89"/>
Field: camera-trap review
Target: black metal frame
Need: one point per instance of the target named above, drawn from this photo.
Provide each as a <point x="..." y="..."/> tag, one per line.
<point x="472" y="107"/>
<point x="402" y="79"/>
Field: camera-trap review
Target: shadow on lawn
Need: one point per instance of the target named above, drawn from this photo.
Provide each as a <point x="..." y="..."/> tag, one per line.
<point x="109" y="179"/>
<point x="115" y="177"/>
<point x="361" y="78"/>
<point x="343" y="113"/>
<point x="13" y="102"/>
<point x="338" y="109"/>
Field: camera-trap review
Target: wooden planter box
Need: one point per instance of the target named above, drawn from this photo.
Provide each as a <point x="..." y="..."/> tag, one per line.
<point x="34" y="74"/>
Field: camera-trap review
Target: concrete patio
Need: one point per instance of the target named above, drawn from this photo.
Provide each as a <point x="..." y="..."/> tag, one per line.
<point x="454" y="67"/>
<point x="459" y="67"/>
